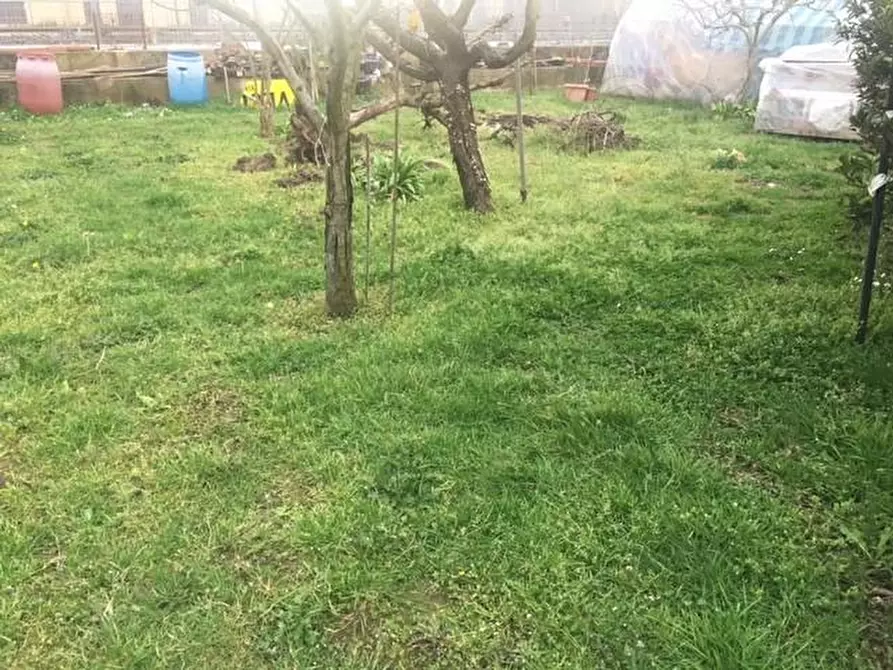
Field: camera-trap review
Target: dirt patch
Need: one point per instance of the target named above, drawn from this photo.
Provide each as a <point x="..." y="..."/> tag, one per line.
<point x="406" y="630"/>
<point x="359" y="628"/>
<point x="213" y="411"/>
<point x="759" y="183"/>
<point x="291" y="490"/>
<point x="262" y="163"/>
<point x="879" y="624"/>
<point x="732" y="417"/>
<point x="301" y="177"/>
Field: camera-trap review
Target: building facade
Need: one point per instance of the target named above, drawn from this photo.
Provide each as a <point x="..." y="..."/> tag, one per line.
<point x="123" y="13"/>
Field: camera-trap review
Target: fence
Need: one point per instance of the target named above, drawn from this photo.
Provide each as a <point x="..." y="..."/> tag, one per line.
<point x="143" y="23"/>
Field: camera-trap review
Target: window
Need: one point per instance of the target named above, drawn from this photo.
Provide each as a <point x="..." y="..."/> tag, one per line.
<point x="13" y="13"/>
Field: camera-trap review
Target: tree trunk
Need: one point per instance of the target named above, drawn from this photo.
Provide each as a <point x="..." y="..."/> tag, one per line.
<point x="344" y="62"/>
<point x="266" y="102"/>
<point x="462" y="132"/>
<point x="341" y="297"/>
<point x="301" y="143"/>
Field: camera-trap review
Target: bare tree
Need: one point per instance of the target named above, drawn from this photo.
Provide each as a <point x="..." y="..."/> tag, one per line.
<point x="325" y="138"/>
<point x="330" y="133"/>
<point x="446" y="55"/>
<point x="752" y="19"/>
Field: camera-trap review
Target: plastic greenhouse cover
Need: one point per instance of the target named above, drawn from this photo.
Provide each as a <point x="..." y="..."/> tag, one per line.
<point x="662" y="50"/>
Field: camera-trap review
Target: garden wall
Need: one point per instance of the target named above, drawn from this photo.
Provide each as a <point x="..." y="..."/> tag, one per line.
<point x="135" y="77"/>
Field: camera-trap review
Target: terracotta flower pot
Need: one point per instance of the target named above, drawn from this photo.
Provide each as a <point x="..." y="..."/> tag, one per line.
<point x="579" y="93"/>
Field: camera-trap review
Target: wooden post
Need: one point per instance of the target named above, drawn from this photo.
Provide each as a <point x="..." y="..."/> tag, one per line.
<point x="519" y="104"/>
<point x="874" y="235"/>
<point x="229" y="99"/>
<point x="394" y="204"/>
<point x="368" y="220"/>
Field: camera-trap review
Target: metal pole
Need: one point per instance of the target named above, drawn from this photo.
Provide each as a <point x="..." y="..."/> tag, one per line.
<point x="533" y="82"/>
<point x="522" y="161"/>
<point x="877" y="222"/>
<point x="394" y="208"/>
<point x="368" y="219"/>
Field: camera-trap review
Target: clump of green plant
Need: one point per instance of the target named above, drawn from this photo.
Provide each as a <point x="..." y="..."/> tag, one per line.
<point x="857" y="167"/>
<point x="725" y="110"/>
<point x="728" y="159"/>
<point x="405" y="180"/>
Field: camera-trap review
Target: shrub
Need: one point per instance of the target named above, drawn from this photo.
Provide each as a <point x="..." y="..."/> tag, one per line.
<point x="858" y="167"/>
<point x="869" y="28"/>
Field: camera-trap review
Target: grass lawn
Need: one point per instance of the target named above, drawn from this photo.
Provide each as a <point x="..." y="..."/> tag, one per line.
<point x="623" y="426"/>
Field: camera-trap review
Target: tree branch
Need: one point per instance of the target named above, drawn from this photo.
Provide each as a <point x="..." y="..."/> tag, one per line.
<point x="381" y="43"/>
<point x="495" y="59"/>
<point x="498" y="24"/>
<point x="427" y="103"/>
<point x="420" y="48"/>
<point x="462" y="14"/>
<point x="274" y="48"/>
<point x="440" y="28"/>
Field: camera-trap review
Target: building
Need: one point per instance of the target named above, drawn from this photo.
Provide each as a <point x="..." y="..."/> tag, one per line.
<point x="124" y="13"/>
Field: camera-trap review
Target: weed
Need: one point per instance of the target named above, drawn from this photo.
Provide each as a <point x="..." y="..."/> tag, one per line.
<point x="726" y="110"/>
<point x="728" y="159"/>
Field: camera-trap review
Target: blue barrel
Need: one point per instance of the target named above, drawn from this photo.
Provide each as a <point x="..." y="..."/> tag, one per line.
<point x="186" y="81"/>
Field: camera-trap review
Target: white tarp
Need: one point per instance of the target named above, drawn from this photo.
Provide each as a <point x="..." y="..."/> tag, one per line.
<point x="808" y="90"/>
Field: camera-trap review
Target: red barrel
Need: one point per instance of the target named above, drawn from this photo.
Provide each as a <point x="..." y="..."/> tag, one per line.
<point x="38" y="83"/>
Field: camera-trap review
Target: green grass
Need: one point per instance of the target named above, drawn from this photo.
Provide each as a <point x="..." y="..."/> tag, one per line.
<point x="623" y="426"/>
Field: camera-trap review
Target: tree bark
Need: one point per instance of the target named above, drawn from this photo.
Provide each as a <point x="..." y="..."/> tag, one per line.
<point x="341" y="297"/>
<point x="344" y="63"/>
<point x="462" y="133"/>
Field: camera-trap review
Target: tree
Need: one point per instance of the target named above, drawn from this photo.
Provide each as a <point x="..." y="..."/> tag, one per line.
<point x="446" y="56"/>
<point x="331" y="132"/>
<point x="325" y="138"/>
<point x="752" y="19"/>
<point x="869" y="29"/>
